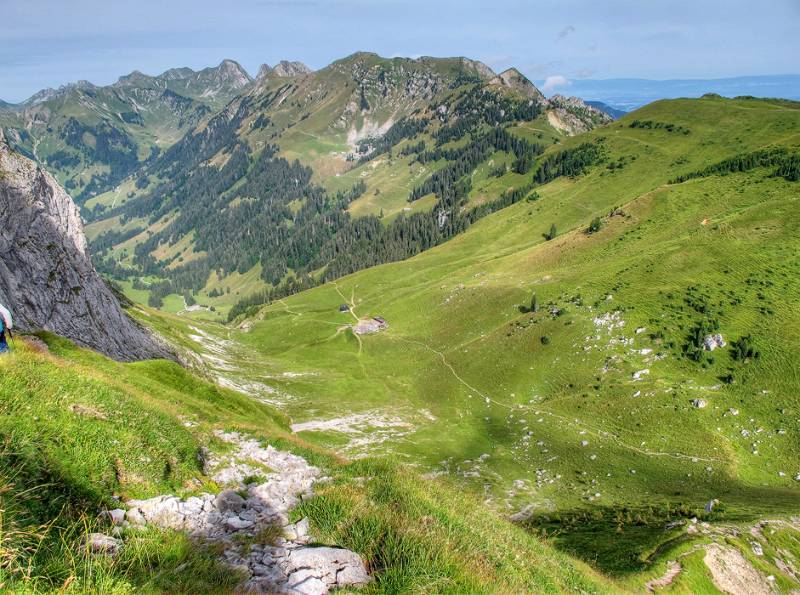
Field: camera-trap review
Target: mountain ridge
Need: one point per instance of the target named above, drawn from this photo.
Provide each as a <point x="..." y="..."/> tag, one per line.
<point x="329" y="130"/>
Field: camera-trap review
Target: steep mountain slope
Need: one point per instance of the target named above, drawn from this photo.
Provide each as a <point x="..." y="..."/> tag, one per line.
<point x="278" y="187"/>
<point x="596" y="410"/>
<point x="93" y="137"/>
<point x="46" y="273"/>
<point x="84" y="435"/>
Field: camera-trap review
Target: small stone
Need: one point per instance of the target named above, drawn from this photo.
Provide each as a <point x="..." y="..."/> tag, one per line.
<point x="101" y="544"/>
<point x="116" y="516"/>
<point x="229" y="500"/>
<point x="134" y="516"/>
<point x="699" y="403"/>
<point x="301" y="527"/>
<point x="237" y="524"/>
<point x="757" y="550"/>
<point x="290" y="532"/>
<point x="339" y="566"/>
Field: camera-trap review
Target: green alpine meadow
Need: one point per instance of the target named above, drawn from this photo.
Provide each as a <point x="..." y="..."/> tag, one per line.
<point x="389" y="324"/>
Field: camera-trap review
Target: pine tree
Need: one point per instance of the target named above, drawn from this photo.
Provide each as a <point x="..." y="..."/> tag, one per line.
<point x="551" y="235"/>
<point x="534" y="303"/>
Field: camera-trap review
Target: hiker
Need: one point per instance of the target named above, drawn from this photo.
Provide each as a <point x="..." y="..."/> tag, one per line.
<point x="6" y="324"/>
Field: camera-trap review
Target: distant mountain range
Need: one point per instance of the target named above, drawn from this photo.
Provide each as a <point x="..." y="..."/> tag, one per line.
<point x="629" y="94"/>
<point x="212" y="178"/>
<point x="92" y="137"/>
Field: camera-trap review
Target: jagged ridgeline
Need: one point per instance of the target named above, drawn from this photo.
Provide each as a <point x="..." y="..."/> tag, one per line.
<point x="92" y="138"/>
<point x="296" y="181"/>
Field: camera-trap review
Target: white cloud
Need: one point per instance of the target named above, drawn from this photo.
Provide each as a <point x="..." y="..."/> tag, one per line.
<point x="556" y="80"/>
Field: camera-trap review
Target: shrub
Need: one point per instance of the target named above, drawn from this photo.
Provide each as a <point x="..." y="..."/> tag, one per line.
<point x="743" y="349"/>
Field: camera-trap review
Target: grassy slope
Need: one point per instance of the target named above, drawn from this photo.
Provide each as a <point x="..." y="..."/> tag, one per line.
<point x="463" y="365"/>
<point x="79" y="429"/>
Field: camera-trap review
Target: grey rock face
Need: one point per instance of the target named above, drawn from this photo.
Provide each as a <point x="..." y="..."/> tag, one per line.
<point x="514" y="79"/>
<point x="286" y="68"/>
<point x="46" y="274"/>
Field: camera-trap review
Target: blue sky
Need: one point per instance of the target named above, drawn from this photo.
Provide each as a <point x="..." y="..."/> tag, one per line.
<point x="52" y="42"/>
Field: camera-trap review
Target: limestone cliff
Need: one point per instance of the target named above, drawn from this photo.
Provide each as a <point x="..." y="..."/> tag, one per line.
<point x="46" y="275"/>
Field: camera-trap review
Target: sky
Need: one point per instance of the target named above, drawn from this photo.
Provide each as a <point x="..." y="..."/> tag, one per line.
<point x="47" y="43"/>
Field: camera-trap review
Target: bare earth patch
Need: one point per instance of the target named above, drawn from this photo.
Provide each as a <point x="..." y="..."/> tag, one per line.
<point x="732" y="573"/>
<point x="673" y="570"/>
<point x="365" y="430"/>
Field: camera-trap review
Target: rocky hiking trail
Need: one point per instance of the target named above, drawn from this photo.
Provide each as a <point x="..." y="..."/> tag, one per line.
<point x="250" y="520"/>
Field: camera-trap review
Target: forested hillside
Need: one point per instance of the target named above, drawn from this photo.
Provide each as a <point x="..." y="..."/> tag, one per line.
<point x="92" y="138"/>
<point x="273" y="188"/>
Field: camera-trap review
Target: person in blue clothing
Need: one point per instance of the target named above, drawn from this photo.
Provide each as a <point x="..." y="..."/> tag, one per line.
<point x="6" y="325"/>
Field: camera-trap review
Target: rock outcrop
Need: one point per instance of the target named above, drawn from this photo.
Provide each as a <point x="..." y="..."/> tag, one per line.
<point x="284" y="68"/>
<point x="574" y="116"/>
<point x="514" y="79"/>
<point x="46" y="274"/>
<point x="249" y="512"/>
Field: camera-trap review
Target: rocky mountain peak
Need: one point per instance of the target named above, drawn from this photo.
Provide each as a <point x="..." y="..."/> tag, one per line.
<point x="176" y="74"/>
<point x="40" y="96"/>
<point x="135" y="78"/>
<point x="514" y="79"/>
<point x="287" y="68"/>
<point x="482" y="69"/>
<point x="231" y="72"/>
<point x="264" y="72"/>
<point x="284" y="68"/>
<point x="46" y="274"/>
